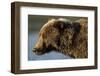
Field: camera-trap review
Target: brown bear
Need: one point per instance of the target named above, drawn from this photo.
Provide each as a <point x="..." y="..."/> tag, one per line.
<point x="64" y="36"/>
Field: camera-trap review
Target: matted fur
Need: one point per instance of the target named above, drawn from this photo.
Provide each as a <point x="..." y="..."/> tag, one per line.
<point x="64" y="36"/>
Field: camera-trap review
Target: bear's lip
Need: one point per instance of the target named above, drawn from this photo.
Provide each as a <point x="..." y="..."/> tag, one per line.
<point x="37" y="52"/>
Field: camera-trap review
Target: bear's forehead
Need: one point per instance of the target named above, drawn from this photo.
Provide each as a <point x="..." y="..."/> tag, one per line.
<point x="64" y="20"/>
<point x="55" y="23"/>
<point x="59" y="24"/>
<point x="49" y="24"/>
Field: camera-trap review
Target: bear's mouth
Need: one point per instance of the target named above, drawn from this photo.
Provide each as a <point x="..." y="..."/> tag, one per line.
<point x="38" y="52"/>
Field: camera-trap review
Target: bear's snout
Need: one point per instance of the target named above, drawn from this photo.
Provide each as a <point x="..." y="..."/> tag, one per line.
<point x="39" y="48"/>
<point x="37" y="51"/>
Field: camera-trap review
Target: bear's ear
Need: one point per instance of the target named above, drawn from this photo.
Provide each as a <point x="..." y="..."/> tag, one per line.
<point x="64" y="20"/>
<point x="76" y="26"/>
<point x="51" y="19"/>
<point x="83" y="22"/>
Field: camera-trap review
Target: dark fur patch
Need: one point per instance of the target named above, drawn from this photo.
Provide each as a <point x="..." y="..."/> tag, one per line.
<point x="67" y="25"/>
<point x="76" y="26"/>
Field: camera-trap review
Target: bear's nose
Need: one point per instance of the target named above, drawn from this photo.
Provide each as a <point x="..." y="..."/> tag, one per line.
<point x="34" y="49"/>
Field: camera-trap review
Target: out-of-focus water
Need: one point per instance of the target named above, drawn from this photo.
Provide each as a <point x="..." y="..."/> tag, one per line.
<point x="32" y="38"/>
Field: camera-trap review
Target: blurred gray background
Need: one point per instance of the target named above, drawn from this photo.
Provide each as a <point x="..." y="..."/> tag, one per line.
<point x="35" y="22"/>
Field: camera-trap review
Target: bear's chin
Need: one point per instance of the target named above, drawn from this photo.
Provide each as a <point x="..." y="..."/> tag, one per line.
<point x="39" y="53"/>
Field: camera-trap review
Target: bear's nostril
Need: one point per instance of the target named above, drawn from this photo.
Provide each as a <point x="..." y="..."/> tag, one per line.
<point x="34" y="49"/>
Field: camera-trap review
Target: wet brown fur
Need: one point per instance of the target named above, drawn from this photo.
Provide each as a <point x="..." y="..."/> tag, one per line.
<point x="69" y="38"/>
